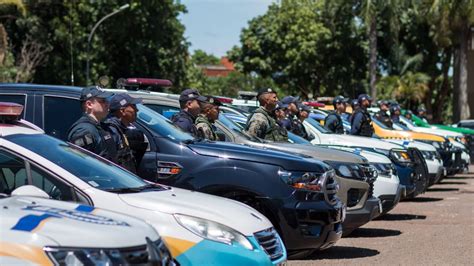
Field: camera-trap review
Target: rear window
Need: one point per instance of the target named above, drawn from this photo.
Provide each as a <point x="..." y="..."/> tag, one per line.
<point x="59" y="115"/>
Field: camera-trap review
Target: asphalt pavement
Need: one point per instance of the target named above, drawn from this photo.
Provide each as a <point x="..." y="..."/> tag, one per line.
<point x="436" y="228"/>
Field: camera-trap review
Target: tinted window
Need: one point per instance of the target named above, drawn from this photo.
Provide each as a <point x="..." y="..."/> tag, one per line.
<point x="20" y="99"/>
<point x="55" y="188"/>
<point x="92" y="169"/>
<point x="160" y="124"/>
<point x="12" y="172"/>
<point x="166" y="111"/>
<point x="59" y="114"/>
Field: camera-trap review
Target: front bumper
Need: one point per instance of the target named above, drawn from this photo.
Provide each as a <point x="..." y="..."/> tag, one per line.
<point x="452" y="161"/>
<point x="208" y="252"/>
<point x="308" y="225"/>
<point x="390" y="201"/>
<point x="357" y="218"/>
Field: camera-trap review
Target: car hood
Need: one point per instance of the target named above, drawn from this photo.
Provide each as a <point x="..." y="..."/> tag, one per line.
<point x="320" y="153"/>
<point x="55" y="220"/>
<point x="246" y="153"/>
<point x="371" y="157"/>
<point x="414" y="144"/>
<point x="356" y="141"/>
<point x="180" y="201"/>
<point x="437" y="131"/>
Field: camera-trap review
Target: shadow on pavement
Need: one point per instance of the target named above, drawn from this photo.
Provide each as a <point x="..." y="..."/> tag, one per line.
<point x="373" y="232"/>
<point x="423" y="199"/>
<point x="452" y="183"/>
<point x="340" y="252"/>
<point x="401" y="217"/>
<point x="440" y="189"/>
<point x="459" y="177"/>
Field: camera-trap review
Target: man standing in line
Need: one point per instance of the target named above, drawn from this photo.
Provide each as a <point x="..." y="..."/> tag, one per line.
<point x="361" y="123"/>
<point x="89" y="132"/>
<point x="123" y="112"/>
<point x="190" y="108"/>
<point x="205" y="120"/>
<point x="333" y="121"/>
<point x="261" y="123"/>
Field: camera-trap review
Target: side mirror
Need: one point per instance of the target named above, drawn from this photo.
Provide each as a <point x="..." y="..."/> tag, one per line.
<point x="31" y="191"/>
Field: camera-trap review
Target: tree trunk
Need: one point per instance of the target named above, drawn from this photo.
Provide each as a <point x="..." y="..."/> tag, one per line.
<point x="460" y="93"/>
<point x="373" y="56"/>
<point x="443" y="90"/>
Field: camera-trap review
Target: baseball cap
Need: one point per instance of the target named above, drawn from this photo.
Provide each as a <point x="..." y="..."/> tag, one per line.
<point x="290" y="99"/>
<point x="94" y="92"/>
<point x="363" y="97"/>
<point x="213" y="100"/>
<point x="122" y="100"/>
<point x="281" y="105"/>
<point x="383" y="102"/>
<point x="339" y="99"/>
<point x="264" y="91"/>
<point x="191" y="94"/>
<point x="303" y="107"/>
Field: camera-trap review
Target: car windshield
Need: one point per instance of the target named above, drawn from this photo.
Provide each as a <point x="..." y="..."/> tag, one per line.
<point x="161" y="125"/>
<point x="380" y="124"/>
<point x="293" y="138"/>
<point x="90" y="168"/>
<point x="407" y="121"/>
<point x="318" y="126"/>
<point x="237" y="128"/>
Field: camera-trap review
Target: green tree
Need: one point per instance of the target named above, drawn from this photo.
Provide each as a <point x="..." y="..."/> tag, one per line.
<point x="146" y="40"/>
<point x="200" y="57"/>
<point x="450" y="23"/>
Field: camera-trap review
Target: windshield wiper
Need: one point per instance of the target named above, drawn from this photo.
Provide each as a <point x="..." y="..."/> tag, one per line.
<point x="134" y="189"/>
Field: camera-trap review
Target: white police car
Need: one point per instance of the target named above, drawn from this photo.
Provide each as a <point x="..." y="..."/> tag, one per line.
<point x="197" y="228"/>
<point x="38" y="231"/>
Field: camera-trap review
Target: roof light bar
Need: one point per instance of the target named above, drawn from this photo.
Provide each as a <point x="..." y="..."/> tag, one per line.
<point x="148" y="82"/>
<point x="10" y="109"/>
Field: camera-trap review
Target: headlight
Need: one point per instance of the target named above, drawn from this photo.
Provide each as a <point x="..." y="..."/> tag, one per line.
<point x="213" y="231"/>
<point x="400" y="156"/>
<point x="154" y="252"/>
<point x="353" y="170"/>
<point x="384" y="169"/>
<point x="307" y="180"/>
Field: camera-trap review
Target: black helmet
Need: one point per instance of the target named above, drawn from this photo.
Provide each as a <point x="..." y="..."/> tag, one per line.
<point x="394" y="108"/>
<point x="382" y="102"/>
<point x="339" y="99"/>
<point x="354" y="103"/>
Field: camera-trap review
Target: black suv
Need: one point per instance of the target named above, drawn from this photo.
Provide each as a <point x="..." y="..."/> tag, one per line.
<point x="297" y="194"/>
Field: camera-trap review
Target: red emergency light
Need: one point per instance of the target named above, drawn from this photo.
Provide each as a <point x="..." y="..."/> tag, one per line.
<point x="10" y="109"/>
<point x="148" y="82"/>
<point x="314" y="104"/>
<point x="224" y="99"/>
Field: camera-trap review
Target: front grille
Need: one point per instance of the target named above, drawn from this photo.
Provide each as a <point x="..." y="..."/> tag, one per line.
<point x="271" y="243"/>
<point x="155" y="252"/>
<point x="330" y="188"/>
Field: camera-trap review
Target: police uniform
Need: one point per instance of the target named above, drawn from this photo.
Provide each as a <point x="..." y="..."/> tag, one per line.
<point x="281" y="127"/>
<point x="205" y="127"/>
<point x="184" y="119"/>
<point x="289" y="121"/>
<point x="298" y="127"/>
<point x="262" y="124"/>
<point x="361" y="123"/>
<point x="91" y="134"/>
<point x="384" y="118"/>
<point x="333" y="122"/>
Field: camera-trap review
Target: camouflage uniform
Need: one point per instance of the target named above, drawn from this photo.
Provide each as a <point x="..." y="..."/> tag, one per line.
<point x="205" y="128"/>
<point x="263" y="125"/>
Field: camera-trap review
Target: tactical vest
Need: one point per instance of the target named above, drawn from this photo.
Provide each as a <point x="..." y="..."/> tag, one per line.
<point x="125" y="157"/>
<point x="204" y="120"/>
<point x="339" y="128"/>
<point x="272" y="131"/>
<point x="366" y="128"/>
<point x="99" y="142"/>
<point x="384" y="118"/>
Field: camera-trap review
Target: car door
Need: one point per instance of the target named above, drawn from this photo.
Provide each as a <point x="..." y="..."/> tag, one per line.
<point x="59" y="112"/>
<point x="16" y="171"/>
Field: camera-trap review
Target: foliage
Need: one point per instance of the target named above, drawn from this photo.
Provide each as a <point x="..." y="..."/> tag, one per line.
<point x="202" y="58"/>
<point x="145" y="40"/>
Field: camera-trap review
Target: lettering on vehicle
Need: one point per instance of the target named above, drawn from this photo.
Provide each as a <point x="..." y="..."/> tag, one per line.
<point x="81" y="213"/>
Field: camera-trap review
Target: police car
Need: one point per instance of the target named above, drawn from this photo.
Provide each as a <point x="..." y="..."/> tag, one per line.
<point x="197" y="228"/>
<point x="38" y="231"/>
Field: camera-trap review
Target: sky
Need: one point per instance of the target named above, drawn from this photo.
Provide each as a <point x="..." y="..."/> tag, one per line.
<point x="215" y="25"/>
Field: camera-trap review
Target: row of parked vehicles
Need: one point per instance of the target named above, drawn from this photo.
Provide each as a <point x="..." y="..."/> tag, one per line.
<point x="239" y="201"/>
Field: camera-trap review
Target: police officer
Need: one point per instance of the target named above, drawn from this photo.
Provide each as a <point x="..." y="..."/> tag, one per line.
<point x="123" y="112"/>
<point x="422" y="114"/>
<point x="382" y="115"/>
<point x="361" y="123"/>
<point x="261" y="123"/>
<point x="395" y="113"/>
<point x="88" y="131"/>
<point x="280" y="116"/>
<point x="333" y="121"/>
<point x="297" y="127"/>
<point x="409" y="114"/>
<point x="291" y="111"/>
<point x="189" y="102"/>
<point x="205" y="120"/>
